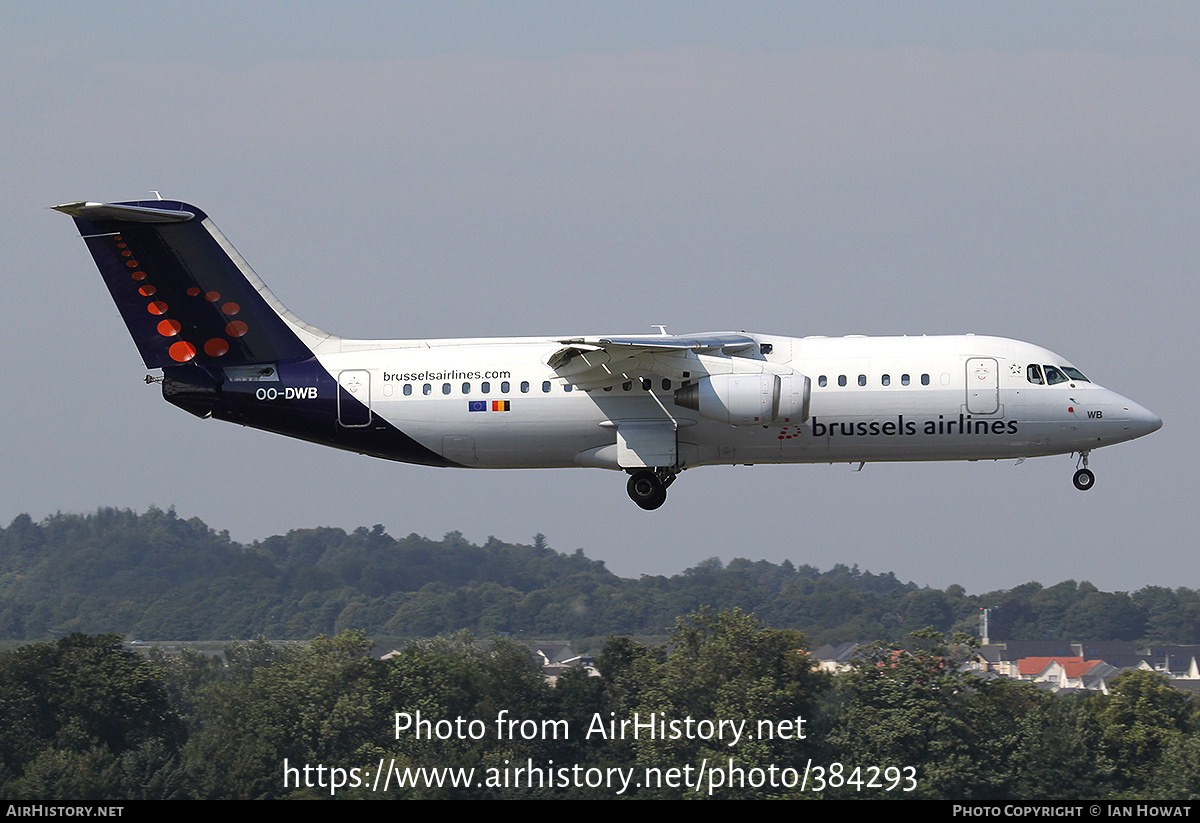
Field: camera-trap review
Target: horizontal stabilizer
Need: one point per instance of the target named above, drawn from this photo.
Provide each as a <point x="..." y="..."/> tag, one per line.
<point x="129" y="214"/>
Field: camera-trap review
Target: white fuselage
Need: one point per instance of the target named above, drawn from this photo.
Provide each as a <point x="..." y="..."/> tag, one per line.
<point x="498" y="404"/>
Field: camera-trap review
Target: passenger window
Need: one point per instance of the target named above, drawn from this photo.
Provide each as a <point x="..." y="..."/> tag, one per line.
<point x="466" y="388"/>
<point x="546" y="386"/>
<point x="567" y="387"/>
<point x="445" y="388"/>
<point x="1033" y="373"/>
<point x="862" y="380"/>
<point x="524" y="387"/>
<point x="904" y="380"/>
<point x="503" y="387"/>
<point x="426" y="389"/>
<point x="666" y="384"/>
<point x="645" y="384"/>
<point x="485" y="387"/>
<point x="407" y="389"/>
<point x="924" y="380"/>
<point x="841" y="380"/>
<point x="627" y="385"/>
<point x="886" y="380"/>
<point x="608" y="388"/>
<point x="822" y="381"/>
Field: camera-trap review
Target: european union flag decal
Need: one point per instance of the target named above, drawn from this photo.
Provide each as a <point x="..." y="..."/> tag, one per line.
<point x="476" y="405"/>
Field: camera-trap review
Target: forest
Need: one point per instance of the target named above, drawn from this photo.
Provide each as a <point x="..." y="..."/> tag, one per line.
<point x="726" y="704"/>
<point x="156" y="576"/>
<point x="728" y="708"/>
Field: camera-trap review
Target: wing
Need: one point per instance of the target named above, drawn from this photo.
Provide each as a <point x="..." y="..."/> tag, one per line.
<point x="596" y="362"/>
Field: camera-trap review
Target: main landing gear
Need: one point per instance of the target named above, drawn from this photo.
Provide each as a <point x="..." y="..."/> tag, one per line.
<point x="1083" y="478"/>
<point x="648" y="487"/>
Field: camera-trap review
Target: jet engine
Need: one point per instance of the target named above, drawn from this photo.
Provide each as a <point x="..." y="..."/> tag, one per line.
<point x="748" y="399"/>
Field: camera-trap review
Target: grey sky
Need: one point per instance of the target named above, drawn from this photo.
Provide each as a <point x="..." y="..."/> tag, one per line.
<point x="462" y="169"/>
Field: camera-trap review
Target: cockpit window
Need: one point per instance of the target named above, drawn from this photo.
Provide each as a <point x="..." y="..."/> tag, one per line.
<point x="1053" y="375"/>
<point x="1033" y="373"/>
<point x="1075" y="374"/>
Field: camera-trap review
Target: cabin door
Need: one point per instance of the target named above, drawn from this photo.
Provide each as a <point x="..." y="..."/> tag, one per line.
<point x="983" y="386"/>
<point x="354" y="398"/>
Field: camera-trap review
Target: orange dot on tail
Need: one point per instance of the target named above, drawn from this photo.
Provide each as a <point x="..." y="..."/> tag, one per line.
<point x="169" y="328"/>
<point x="138" y="275"/>
<point x="230" y="308"/>
<point x="182" y="351"/>
<point x="157" y="307"/>
<point x="236" y="328"/>
<point x="147" y="290"/>
<point x="193" y="291"/>
<point x="213" y="296"/>
<point x="216" y="347"/>
<point x="133" y="264"/>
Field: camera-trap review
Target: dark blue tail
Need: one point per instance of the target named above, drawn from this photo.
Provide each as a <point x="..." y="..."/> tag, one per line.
<point x="185" y="293"/>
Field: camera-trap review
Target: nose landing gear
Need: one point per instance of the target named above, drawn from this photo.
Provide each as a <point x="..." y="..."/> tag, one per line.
<point x="1084" y="479"/>
<point x="648" y="487"/>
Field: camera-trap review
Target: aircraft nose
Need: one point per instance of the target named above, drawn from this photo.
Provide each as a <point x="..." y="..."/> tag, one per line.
<point x="1142" y="421"/>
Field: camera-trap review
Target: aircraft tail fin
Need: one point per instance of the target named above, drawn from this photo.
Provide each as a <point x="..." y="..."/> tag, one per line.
<point x="185" y="293"/>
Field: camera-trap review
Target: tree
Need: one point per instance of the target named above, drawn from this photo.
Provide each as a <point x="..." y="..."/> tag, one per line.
<point x="72" y="710"/>
<point x="914" y="707"/>
<point x="728" y="667"/>
<point x="324" y="704"/>
<point x="1178" y="775"/>
<point x="1141" y="718"/>
<point x="1058" y="751"/>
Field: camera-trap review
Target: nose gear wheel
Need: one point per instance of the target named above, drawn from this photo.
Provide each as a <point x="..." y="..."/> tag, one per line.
<point x="1084" y="479"/>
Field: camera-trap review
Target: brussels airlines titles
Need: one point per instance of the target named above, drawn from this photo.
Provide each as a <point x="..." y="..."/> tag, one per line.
<point x="963" y="425"/>
<point x="648" y="405"/>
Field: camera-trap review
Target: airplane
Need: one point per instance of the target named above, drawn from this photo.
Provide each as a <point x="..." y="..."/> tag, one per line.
<point x="649" y="405"/>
